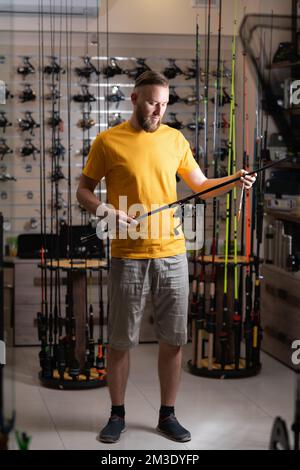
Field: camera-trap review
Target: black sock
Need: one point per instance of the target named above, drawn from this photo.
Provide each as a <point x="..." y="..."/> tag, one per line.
<point x="166" y="411"/>
<point x="118" y="410"/>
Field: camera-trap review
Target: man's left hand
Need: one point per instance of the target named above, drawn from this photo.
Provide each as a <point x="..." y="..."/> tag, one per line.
<point x="247" y="180"/>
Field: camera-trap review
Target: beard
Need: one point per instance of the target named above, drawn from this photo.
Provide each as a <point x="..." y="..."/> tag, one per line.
<point x="146" y="123"/>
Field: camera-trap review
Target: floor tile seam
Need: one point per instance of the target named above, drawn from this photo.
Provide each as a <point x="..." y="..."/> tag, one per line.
<point x="52" y="419"/>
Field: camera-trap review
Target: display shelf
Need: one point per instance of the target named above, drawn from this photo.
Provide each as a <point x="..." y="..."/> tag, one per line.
<point x="284" y="216"/>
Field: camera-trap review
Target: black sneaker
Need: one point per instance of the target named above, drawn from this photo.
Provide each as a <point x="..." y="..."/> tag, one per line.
<point x="170" y="427"/>
<point x="112" y="431"/>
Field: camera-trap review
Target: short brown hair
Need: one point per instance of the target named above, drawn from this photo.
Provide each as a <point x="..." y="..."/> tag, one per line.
<point x="150" y="77"/>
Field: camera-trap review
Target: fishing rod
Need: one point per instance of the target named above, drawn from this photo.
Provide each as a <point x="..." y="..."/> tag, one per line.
<point x="211" y="316"/>
<point x="224" y="333"/>
<point x="86" y="122"/>
<point x="90" y="323"/>
<point x="89" y="355"/>
<point x="182" y="201"/>
<point x="256" y="324"/>
<point x="74" y="366"/>
<point x="58" y="352"/>
<point x="100" y="358"/>
<point x="248" y="277"/>
<point x="245" y="207"/>
<point x="194" y="301"/>
<point x="43" y="316"/>
<point x="253" y="211"/>
<point x="242" y="212"/>
<point x="236" y="318"/>
<point x="201" y="317"/>
<point x="52" y="69"/>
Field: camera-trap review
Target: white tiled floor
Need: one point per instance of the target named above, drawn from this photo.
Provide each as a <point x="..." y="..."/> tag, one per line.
<point x="221" y="414"/>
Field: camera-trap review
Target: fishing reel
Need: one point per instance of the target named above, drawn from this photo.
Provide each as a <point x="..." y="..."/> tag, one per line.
<point x="81" y="209"/>
<point x="85" y="97"/>
<point x="53" y="68"/>
<point x="86" y="146"/>
<point x="225" y="73"/>
<point x="140" y="68"/>
<point x="54" y="94"/>
<point x="42" y="328"/>
<point x="29" y="149"/>
<point x="31" y="224"/>
<point x="192" y="99"/>
<point x="112" y="69"/>
<point x="173" y="70"/>
<point x="191" y="72"/>
<point x="222" y="152"/>
<point x="4" y="123"/>
<point x="27" y="68"/>
<point x="87" y="70"/>
<point x="6" y="177"/>
<point x="224" y="124"/>
<point x="57" y="175"/>
<point x="198" y="153"/>
<point x="28" y="123"/>
<point x="116" y="96"/>
<point x="174" y="123"/>
<point x="224" y="98"/>
<point x="192" y="125"/>
<point x="4" y="149"/>
<point x="28" y="94"/>
<point x="56" y="121"/>
<point x="58" y="150"/>
<point x="6" y="224"/>
<point x="8" y="94"/>
<point x="115" y="120"/>
<point x="173" y="97"/>
<point x="222" y="171"/>
<point x="86" y="122"/>
<point x="59" y="204"/>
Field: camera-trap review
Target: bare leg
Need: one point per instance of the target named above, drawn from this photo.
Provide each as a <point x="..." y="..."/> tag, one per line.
<point x="117" y="374"/>
<point x="169" y="370"/>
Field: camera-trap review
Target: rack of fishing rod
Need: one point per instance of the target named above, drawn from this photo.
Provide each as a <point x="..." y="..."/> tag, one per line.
<point x="71" y="357"/>
<point x="226" y="335"/>
<point x="72" y="320"/>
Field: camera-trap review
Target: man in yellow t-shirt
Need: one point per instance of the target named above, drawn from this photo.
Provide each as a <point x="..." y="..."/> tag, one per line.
<point x="139" y="160"/>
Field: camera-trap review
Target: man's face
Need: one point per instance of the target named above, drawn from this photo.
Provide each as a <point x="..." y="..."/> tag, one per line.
<point x="150" y="103"/>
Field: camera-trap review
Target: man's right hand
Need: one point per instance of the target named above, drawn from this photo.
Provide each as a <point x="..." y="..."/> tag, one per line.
<point x="117" y="221"/>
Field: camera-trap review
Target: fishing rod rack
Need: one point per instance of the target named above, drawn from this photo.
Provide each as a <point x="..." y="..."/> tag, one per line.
<point x="226" y="329"/>
<point x="215" y="354"/>
<point x="67" y="357"/>
<point x="225" y="324"/>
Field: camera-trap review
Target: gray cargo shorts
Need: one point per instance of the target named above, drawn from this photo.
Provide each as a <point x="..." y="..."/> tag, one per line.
<point x="131" y="282"/>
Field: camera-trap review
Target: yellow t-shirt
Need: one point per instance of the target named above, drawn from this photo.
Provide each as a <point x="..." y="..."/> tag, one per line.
<point x="142" y="166"/>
